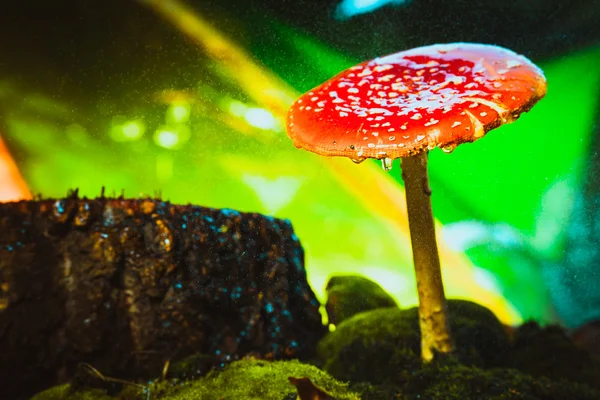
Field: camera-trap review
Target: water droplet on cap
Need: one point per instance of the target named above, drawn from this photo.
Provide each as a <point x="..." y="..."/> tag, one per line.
<point x="449" y="148"/>
<point x="386" y="163"/>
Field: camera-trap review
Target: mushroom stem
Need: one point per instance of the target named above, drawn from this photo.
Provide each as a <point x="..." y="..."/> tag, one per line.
<point x="433" y="320"/>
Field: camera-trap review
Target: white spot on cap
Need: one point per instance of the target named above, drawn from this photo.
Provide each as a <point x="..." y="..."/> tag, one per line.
<point x="455" y="124"/>
<point x="457" y="80"/>
<point x="483" y="113"/>
<point x="386" y="78"/>
<point x="371" y="145"/>
<point x="365" y="72"/>
<point x="383" y="67"/>
<point x="353" y="90"/>
<point x="431" y="122"/>
<point x="512" y="64"/>
<point x="400" y="87"/>
<point x="417" y="116"/>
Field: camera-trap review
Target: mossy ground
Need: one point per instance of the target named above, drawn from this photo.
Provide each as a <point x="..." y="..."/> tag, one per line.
<point x="450" y="380"/>
<point x="383" y="345"/>
<point x="245" y="379"/>
<point x="374" y="355"/>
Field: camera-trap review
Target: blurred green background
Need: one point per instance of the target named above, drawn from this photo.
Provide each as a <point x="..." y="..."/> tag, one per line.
<point x="122" y="94"/>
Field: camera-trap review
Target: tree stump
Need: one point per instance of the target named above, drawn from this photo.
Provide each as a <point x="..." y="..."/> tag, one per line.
<point x="127" y="285"/>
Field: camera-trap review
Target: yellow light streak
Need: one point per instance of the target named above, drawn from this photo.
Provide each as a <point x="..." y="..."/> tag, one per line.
<point x="376" y="190"/>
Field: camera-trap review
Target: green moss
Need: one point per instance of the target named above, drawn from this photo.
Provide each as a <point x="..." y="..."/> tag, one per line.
<point x="378" y="352"/>
<point x="549" y="352"/>
<point x="243" y="380"/>
<point x="443" y="379"/>
<point x="260" y="380"/>
<point x="384" y="344"/>
<point x="193" y="366"/>
<point x="64" y="392"/>
<point x="450" y="380"/>
<point x="350" y="295"/>
<point x="458" y="382"/>
<point x="374" y="346"/>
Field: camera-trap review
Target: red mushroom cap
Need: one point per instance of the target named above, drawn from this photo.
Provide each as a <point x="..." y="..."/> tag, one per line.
<point x="398" y="105"/>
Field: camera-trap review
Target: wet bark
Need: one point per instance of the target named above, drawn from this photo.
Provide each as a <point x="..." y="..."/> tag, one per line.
<point x="125" y="285"/>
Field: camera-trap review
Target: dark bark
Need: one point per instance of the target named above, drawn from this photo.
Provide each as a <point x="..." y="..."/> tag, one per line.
<point x="126" y="285"/>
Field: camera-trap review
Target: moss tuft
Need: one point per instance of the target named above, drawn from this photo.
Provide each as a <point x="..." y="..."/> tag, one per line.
<point x="349" y="295"/>
<point x="65" y="392"/>
<point x="382" y="345"/>
<point x="241" y="380"/>
<point x="262" y="380"/>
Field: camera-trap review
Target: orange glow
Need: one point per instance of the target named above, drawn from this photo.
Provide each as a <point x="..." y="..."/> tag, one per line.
<point x="12" y="185"/>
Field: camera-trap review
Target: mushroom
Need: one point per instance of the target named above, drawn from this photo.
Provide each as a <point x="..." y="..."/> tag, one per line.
<point x="402" y="106"/>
